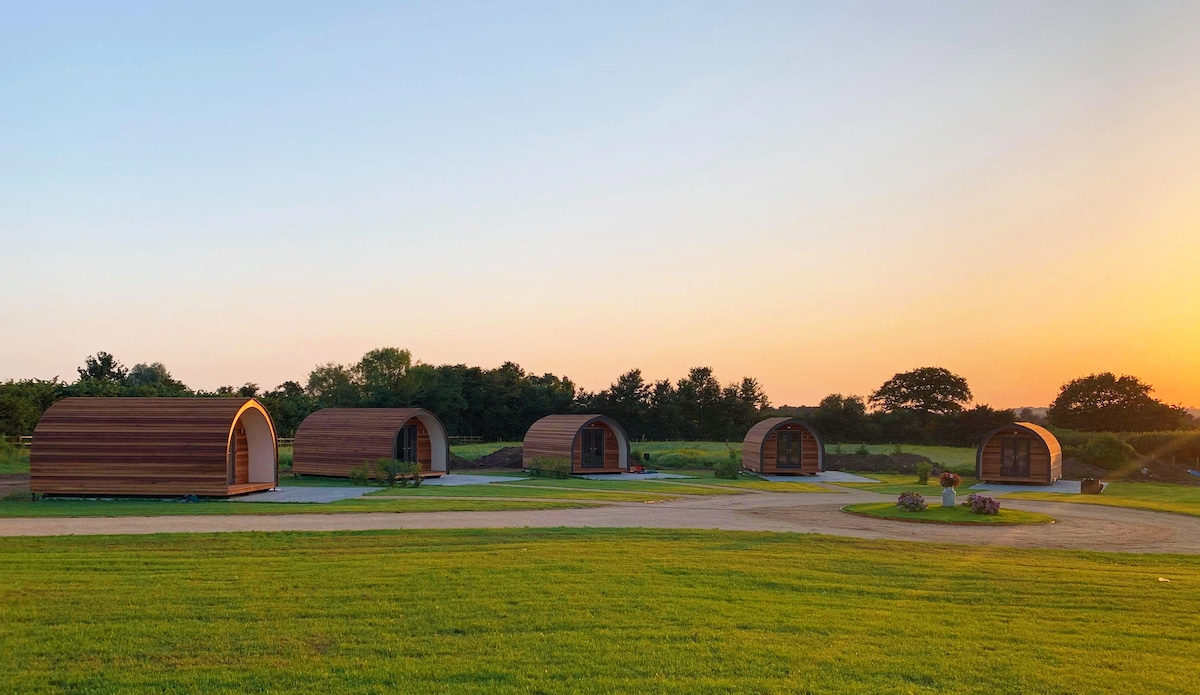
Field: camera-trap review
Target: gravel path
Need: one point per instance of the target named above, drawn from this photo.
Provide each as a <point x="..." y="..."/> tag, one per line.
<point x="1080" y="527"/>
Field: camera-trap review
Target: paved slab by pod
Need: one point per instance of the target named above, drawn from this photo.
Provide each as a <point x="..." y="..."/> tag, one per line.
<point x="1066" y="487"/>
<point x="318" y="495"/>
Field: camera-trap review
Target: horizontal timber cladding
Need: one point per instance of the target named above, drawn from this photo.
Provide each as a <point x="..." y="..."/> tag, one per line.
<point x="153" y="446"/>
<point x="334" y="440"/>
<point x="561" y="437"/>
<point x="760" y="448"/>
<point x="1045" y="454"/>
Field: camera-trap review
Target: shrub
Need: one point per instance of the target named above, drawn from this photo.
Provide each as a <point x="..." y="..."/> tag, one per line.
<point x="389" y="470"/>
<point x="897" y="450"/>
<point x="924" y="468"/>
<point x="980" y="504"/>
<point x="911" y="502"/>
<point x="1105" y="451"/>
<point x="862" y="450"/>
<point x="550" y="467"/>
<point x="359" y="475"/>
<point x="730" y="467"/>
<point x="285" y="459"/>
<point x="949" y="479"/>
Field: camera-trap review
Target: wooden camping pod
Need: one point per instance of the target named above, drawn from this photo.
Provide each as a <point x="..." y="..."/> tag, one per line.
<point x="334" y="440"/>
<point x="214" y="447"/>
<point x="593" y="443"/>
<point x="1019" y="453"/>
<point x="783" y="446"/>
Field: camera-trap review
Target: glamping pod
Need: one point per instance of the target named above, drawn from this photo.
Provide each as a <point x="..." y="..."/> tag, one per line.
<point x="593" y="443"/>
<point x="1019" y="453"/>
<point x="214" y="447"/>
<point x="334" y="440"/>
<point x="783" y="446"/>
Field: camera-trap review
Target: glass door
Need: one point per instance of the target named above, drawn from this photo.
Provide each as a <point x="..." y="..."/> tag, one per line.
<point x="787" y="452"/>
<point x="593" y="449"/>
<point x="406" y="444"/>
<point x="1014" y="457"/>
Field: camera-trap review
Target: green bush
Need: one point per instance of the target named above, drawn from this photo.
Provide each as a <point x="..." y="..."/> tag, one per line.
<point x="391" y="470"/>
<point x="862" y="450"/>
<point x="687" y="458"/>
<point x="924" y="468"/>
<point x="13" y="459"/>
<point x="1105" y="451"/>
<point x="550" y="467"/>
<point x="285" y="459"/>
<point x="731" y="466"/>
<point x="360" y="475"/>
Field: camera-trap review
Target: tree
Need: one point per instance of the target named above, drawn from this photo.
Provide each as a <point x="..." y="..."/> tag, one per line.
<point x="102" y="367"/>
<point x="1108" y="403"/>
<point x="333" y="385"/>
<point x="153" y="380"/>
<point x="842" y="419"/>
<point x="926" y="390"/>
<point x="381" y="374"/>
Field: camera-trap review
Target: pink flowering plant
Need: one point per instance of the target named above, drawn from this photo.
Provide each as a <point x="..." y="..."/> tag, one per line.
<point x="983" y="505"/>
<point x="949" y="479"/>
<point x="911" y="502"/>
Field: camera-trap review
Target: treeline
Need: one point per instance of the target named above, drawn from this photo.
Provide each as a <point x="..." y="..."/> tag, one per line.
<point x="925" y="406"/>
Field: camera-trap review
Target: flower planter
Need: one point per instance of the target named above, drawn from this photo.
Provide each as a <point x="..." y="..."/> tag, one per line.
<point x="949" y="497"/>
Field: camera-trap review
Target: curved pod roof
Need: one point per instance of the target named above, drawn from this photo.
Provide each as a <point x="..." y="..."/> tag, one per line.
<point x="334" y="440"/>
<point x="754" y="444"/>
<point x="159" y="446"/>
<point x="555" y="436"/>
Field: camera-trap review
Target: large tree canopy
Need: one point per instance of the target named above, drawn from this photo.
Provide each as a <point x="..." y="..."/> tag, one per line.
<point x="1108" y="403"/>
<point x="929" y="389"/>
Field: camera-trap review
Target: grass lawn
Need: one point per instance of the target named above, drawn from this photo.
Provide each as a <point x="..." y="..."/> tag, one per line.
<point x="1157" y="497"/>
<point x="654" y="486"/>
<point x="474" y="452"/>
<point x="959" y="459"/>
<point x="134" y="507"/>
<point x="518" y="491"/>
<point x="594" y="611"/>
<point x="667" y="455"/>
<point x="937" y="514"/>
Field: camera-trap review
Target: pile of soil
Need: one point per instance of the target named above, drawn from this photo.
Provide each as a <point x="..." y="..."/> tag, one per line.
<point x="1144" y="471"/>
<point x="507" y="458"/>
<point x="877" y="463"/>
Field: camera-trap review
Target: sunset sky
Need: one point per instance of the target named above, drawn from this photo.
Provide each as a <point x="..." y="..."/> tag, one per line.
<point x="818" y="195"/>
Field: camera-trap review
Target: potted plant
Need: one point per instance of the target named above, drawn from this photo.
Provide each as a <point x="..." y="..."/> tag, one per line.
<point x="949" y="481"/>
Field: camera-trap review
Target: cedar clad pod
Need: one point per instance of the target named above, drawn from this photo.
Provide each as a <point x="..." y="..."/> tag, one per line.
<point x="783" y="446"/>
<point x="213" y="447"/>
<point x="1019" y="453"/>
<point x="593" y="443"/>
<point x="334" y="440"/>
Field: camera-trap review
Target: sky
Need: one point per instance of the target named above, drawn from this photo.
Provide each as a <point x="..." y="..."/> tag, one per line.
<point x="818" y="195"/>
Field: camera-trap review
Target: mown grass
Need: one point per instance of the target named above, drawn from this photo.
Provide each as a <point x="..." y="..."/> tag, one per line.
<point x="135" y="507"/>
<point x="474" y="452"/>
<point x="751" y="481"/>
<point x="1157" y="497"/>
<point x="937" y="514"/>
<point x="591" y="611"/>
<point x="655" y="486"/>
<point x="959" y="459"/>
<point x="683" y="454"/>
<point x="519" y="491"/>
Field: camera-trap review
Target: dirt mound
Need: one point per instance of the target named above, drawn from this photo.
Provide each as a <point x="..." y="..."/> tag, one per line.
<point x="877" y="463"/>
<point x="508" y="457"/>
<point x="1144" y="471"/>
